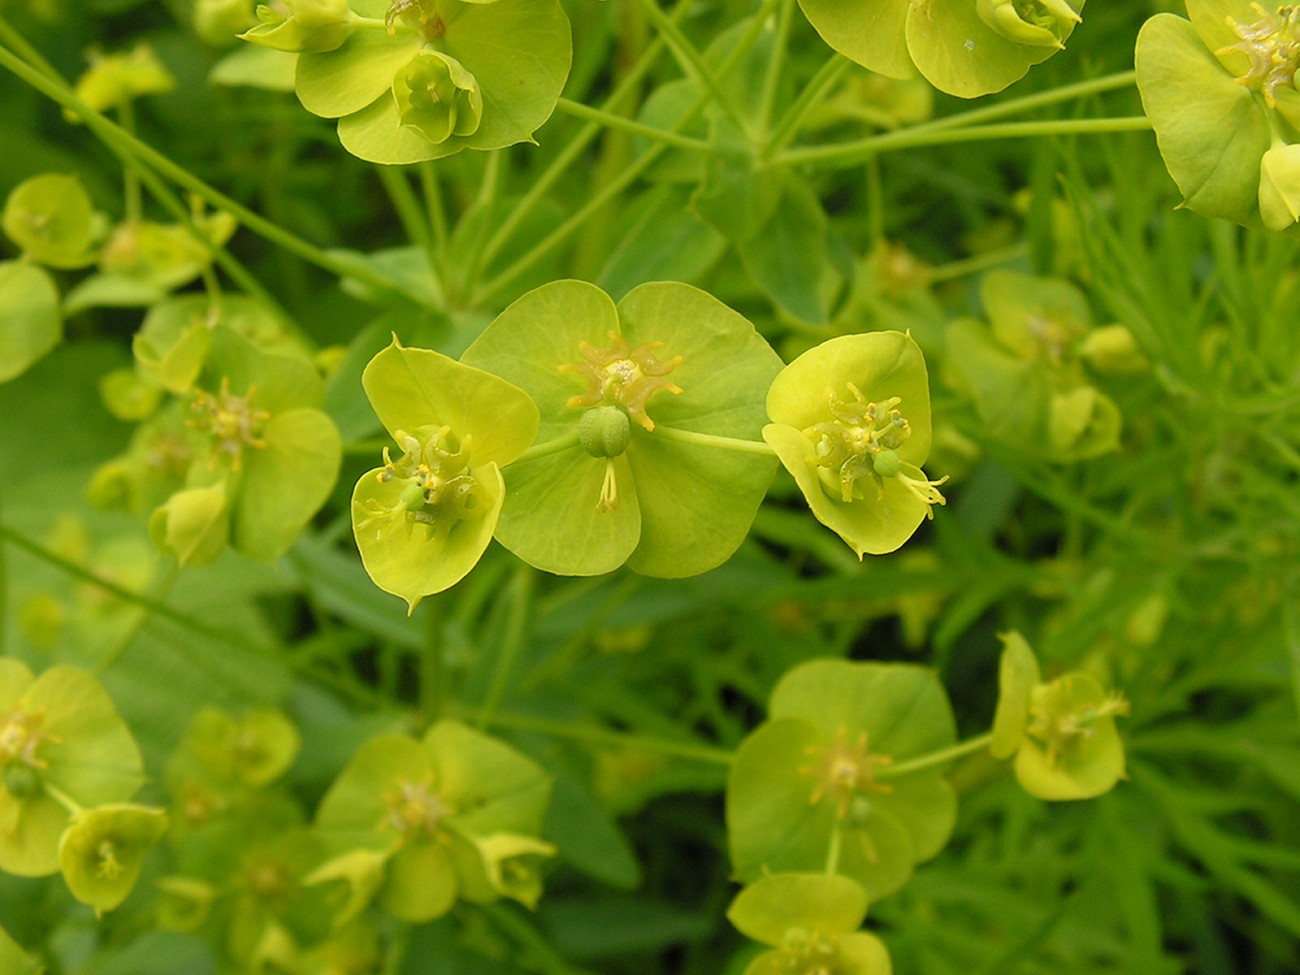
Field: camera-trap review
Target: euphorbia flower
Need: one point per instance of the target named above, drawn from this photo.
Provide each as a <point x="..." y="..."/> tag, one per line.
<point x="303" y="26"/>
<point x="267" y="456"/>
<point x="812" y="789"/>
<point x="1024" y="370"/>
<point x="1061" y="732"/>
<point x="422" y="79"/>
<point x="437" y="97"/>
<point x="649" y="414"/>
<point x="811" y="922"/>
<point x="102" y="850"/>
<point x="962" y="47"/>
<point x="423" y="520"/>
<point x="62" y="746"/>
<point x="454" y="815"/>
<point x="1220" y="93"/>
<point x="851" y="423"/>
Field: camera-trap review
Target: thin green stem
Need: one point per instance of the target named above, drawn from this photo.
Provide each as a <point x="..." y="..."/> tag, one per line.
<point x="489" y="187"/>
<point x="574" y="149"/>
<point x="114" y="136"/>
<point x="157" y="594"/>
<point x="775" y="64"/>
<point x="432" y="670"/>
<point x="617" y="185"/>
<point x="433" y="205"/>
<point x="62" y="798"/>
<point x="550" y="447"/>
<point x="612" y="121"/>
<point x="408" y="208"/>
<point x="941" y="757"/>
<point x="693" y="64"/>
<point x="160" y="192"/>
<point x="576" y="731"/>
<point x="541" y="954"/>
<point x="977" y="263"/>
<point x="833" y="849"/>
<point x="712" y="440"/>
<point x="230" y="638"/>
<point x="512" y="641"/>
<point x="132" y="206"/>
<point x="809" y="98"/>
<point x="856" y="152"/>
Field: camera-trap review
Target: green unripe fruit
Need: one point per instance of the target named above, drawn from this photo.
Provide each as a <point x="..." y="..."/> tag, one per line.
<point x="887" y="463"/>
<point x="22" y="782"/>
<point x="604" y="431"/>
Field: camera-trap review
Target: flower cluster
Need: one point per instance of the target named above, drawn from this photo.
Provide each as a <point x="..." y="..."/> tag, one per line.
<point x="68" y="769"/>
<point x="414" y="80"/>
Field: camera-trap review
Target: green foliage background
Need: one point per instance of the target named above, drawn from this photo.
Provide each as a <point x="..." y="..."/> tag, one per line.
<point x="1171" y="565"/>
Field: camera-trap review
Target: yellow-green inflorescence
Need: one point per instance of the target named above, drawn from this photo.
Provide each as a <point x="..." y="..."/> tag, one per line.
<point x="437" y="484"/>
<point x="1272" y="46"/>
<point x="620" y="382"/>
<point x="844" y="772"/>
<point x="233" y="422"/>
<point x="861" y="441"/>
<point x="621" y="376"/>
<point x="1061" y="722"/>
<point x="415" y="809"/>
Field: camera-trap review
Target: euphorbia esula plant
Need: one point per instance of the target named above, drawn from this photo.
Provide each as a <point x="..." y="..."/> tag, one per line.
<point x="649" y="415"/>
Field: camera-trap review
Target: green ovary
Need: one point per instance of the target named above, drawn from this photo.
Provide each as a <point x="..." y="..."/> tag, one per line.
<point x="1272" y="46"/>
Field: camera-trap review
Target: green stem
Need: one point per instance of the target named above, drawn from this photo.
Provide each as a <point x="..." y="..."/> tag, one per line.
<point x="693" y="64"/>
<point x="713" y="440"/>
<point x="625" y="179"/>
<point x="612" y="121"/>
<point x="854" y="153"/>
<point x="827" y="76"/>
<point x="131" y="203"/>
<point x="772" y="77"/>
<point x="157" y="594"/>
<point x="408" y="209"/>
<point x="575" y="731"/>
<point x="230" y="638"/>
<point x="489" y="187"/>
<point x="432" y="670"/>
<point x="114" y="136"/>
<point x="541" y="954"/>
<point x="941" y="757"/>
<point x="511" y="643"/>
<point x="977" y="263"/>
<point x="62" y="798"/>
<point x="574" y="149"/>
<point x="160" y="192"/>
<point x="433" y="205"/>
<point x="548" y="448"/>
<point x="833" y="851"/>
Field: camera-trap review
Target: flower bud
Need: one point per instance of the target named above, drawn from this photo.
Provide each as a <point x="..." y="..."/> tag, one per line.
<point x="1037" y="23"/>
<point x="303" y="26"/>
<point x="1111" y="349"/>
<point x="438" y="97"/>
